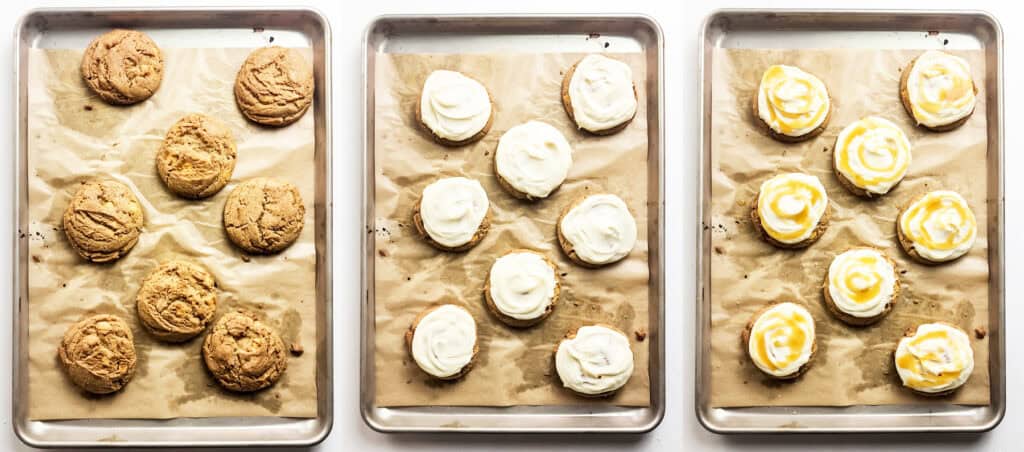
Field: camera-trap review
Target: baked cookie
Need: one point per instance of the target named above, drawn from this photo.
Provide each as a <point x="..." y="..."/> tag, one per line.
<point x="264" y="215"/>
<point x="453" y="214"/>
<point x="596" y="230"/>
<point x="98" y="353"/>
<point x="244" y="354"/>
<point x="861" y="286"/>
<point x="103" y="220"/>
<point x="442" y="341"/>
<point x="594" y="360"/>
<point x="792" y="104"/>
<point x="176" y="301"/>
<point x="938" y="91"/>
<point x="599" y="95"/>
<point x="791" y="210"/>
<point x="197" y="157"/>
<point x="871" y="156"/>
<point x="937" y="227"/>
<point x="780" y="340"/>
<point x="532" y="160"/>
<point x="123" y="67"/>
<point x="455" y="109"/>
<point x="934" y="359"/>
<point x="522" y="288"/>
<point x="274" y="86"/>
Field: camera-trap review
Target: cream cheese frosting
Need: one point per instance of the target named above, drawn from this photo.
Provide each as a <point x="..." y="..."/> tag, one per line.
<point x="534" y="158"/>
<point x="873" y="154"/>
<point x="600" y="229"/>
<point x="940" y="226"/>
<point x="597" y="361"/>
<point x="861" y="282"/>
<point x="937" y="358"/>
<point x="601" y="93"/>
<point x="792" y="102"/>
<point x="790" y="206"/>
<point x="940" y="89"/>
<point x="443" y="341"/>
<point x="782" y="339"/>
<point x="452" y="210"/>
<point x="522" y="285"/>
<point x="453" y="106"/>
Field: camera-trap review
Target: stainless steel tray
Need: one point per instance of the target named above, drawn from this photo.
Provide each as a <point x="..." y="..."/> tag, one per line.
<point x="490" y="33"/>
<point x="872" y="29"/>
<point x="193" y="27"/>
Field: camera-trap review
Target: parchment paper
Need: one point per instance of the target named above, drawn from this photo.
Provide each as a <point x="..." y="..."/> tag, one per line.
<point x="73" y="136"/>
<point x="853" y="366"/>
<point x="514" y="367"/>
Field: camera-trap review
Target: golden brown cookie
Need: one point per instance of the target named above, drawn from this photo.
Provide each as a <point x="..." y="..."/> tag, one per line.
<point x="123" y="67"/>
<point x="243" y="354"/>
<point x="274" y="86"/>
<point x="98" y="353"/>
<point x="197" y="156"/>
<point x="264" y="215"/>
<point x="103" y="220"/>
<point x="176" y="301"/>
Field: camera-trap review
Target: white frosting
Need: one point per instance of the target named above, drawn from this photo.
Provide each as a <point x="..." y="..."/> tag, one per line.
<point x="443" y="341"/>
<point x="452" y="210"/>
<point x="534" y="158"/>
<point x="522" y="285"/>
<point x="453" y="106"/>
<point x="792" y="102"/>
<point x="782" y="339"/>
<point x="872" y="154"/>
<point x="596" y="361"/>
<point x="790" y="205"/>
<point x="601" y="93"/>
<point x="937" y="358"/>
<point x="940" y="225"/>
<point x="940" y="89"/>
<point x="861" y="282"/>
<point x="600" y="229"/>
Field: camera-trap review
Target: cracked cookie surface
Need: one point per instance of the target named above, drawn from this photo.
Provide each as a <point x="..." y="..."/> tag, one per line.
<point x="274" y="86"/>
<point x="197" y="156"/>
<point x="244" y="354"/>
<point x="177" y="301"/>
<point x="103" y="220"/>
<point x="98" y="354"/>
<point x="123" y="67"/>
<point x="264" y="215"/>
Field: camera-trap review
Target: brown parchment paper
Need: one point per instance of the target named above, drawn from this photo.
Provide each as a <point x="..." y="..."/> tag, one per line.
<point x="514" y="367"/>
<point x="853" y="366"/>
<point x="74" y="136"/>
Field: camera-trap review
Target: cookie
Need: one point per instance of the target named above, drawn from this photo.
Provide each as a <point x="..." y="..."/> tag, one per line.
<point x="791" y="104"/>
<point x="244" y="354"/>
<point x="274" y="86"/>
<point x="453" y="214"/>
<point x="264" y="215"/>
<point x="442" y="341"/>
<point x="532" y="160"/>
<point x="103" y="220"/>
<point x="791" y="210"/>
<point x="594" y="345"/>
<point x="599" y="95"/>
<point x="596" y="230"/>
<point x="197" y="157"/>
<point x="783" y="326"/>
<point x="937" y="227"/>
<point x="522" y="288"/>
<point x="123" y="67"/>
<point x="871" y="156"/>
<point x="176" y="301"/>
<point x="98" y="354"/>
<point x="938" y="91"/>
<point x="455" y="109"/>
<point x="861" y="286"/>
<point x="934" y="359"/>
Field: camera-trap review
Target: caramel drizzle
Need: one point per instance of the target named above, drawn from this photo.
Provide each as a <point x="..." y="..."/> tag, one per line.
<point x="807" y="193"/>
<point x="915" y="364"/>
<point x="957" y="96"/>
<point x="889" y="173"/>
<point x="929" y="208"/>
<point x="861" y="267"/>
<point x="780" y="330"/>
<point x="799" y="116"/>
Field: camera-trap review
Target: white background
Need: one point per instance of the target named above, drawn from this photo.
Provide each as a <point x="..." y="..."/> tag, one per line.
<point x="681" y="21"/>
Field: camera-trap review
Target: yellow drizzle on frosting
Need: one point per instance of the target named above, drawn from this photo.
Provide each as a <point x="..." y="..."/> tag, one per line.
<point x="915" y="365"/>
<point x="782" y="327"/>
<point x="944" y="211"/>
<point x="795" y="99"/>
<point x="873" y="154"/>
<point x="792" y="200"/>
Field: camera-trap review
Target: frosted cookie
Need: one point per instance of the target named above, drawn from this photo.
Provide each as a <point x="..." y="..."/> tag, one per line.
<point x="103" y="220"/>
<point x="934" y="359"/>
<point x="442" y="341"/>
<point x="861" y="286"/>
<point x="794" y="105"/>
<point x="597" y="230"/>
<point x="98" y="354"/>
<point x="274" y="86"/>
<point x="264" y="215"/>
<point x="452" y="214"/>
<point x="937" y="227"/>
<point x="176" y="301"/>
<point x="599" y="95"/>
<point x="594" y="360"/>
<point x="780" y="340"/>
<point x="871" y="156"/>
<point x="522" y="288"/>
<point x="244" y="354"/>
<point x="197" y="157"/>
<point x="454" y="108"/>
<point x="938" y="91"/>
<point x="123" y="67"/>
<point x="791" y="211"/>
<point x="532" y="160"/>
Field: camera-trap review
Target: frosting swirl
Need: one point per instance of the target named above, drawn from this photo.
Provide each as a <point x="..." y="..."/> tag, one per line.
<point x="600" y="229"/>
<point x="444" y="341"/>
<point x="782" y="339"/>
<point x="452" y="210"/>
<point x="790" y="206"/>
<point x="873" y="154"/>
<point x="937" y="358"/>
<point x="522" y="284"/>
<point x="596" y="361"/>
<point x="940" y="225"/>
<point x="940" y="89"/>
<point x="534" y="158"/>
<point x="601" y="93"/>
<point x="861" y="282"/>
<point x="453" y="106"/>
<point x="792" y="102"/>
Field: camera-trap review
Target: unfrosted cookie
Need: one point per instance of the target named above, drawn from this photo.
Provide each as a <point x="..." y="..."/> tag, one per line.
<point x="244" y="354"/>
<point x="594" y="360"/>
<point x="123" y="66"/>
<point x="274" y="86"/>
<point x="442" y="340"/>
<point x="98" y="353"/>
<point x="197" y="156"/>
<point x="176" y="301"/>
<point x="103" y="220"/>
<point x="264" y="215"/>
<point x="598" y="94"/>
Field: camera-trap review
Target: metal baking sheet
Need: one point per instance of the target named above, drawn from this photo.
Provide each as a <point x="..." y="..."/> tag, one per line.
<point x="496" y="33"/>
<point x="856" y="29"/>
<point x="193" y="27"/>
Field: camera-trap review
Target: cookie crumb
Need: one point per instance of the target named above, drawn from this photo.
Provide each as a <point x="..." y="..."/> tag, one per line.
<point x="87" y="107"/>
<point x="36" y="259"/>
<point x="594" y="36"/>
<point x="719" y="250"/>
<point x="606" y="44"/>
<point x="382" y="253"/>
<point x="980" y="332"/>
<point x="297" y="349"/>
<point x="257" y="29"/>
<point x="641" y="334"/>
<point x="564" y="274"/>
<point x="245" y="258"/>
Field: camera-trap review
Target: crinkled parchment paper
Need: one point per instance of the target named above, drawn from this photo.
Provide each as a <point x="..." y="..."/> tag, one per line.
<point x="853" y="366"/>
<point x="514" y="366"/>
<point x="73" y="136"/>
